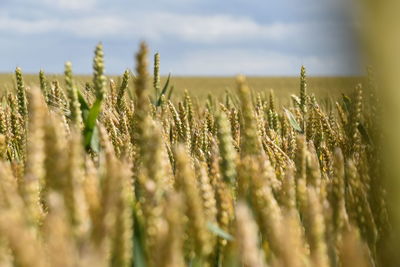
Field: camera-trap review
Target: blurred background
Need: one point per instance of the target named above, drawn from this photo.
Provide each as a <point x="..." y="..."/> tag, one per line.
<point x="194" y="37"/>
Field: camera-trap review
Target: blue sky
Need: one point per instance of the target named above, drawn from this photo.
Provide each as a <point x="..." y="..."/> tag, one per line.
<point x="194" y="37"/>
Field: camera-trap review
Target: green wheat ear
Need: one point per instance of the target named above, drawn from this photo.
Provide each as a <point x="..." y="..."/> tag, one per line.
<point x="141" y="70"/>
<point x="156" y="81"/>
<point x="250" y="144"/>
<point x="43" y="84"/>
<point x="72" y="93"/>
<point x="21" y="94"/>
<point x="227" y="150"/>
<point x="121" y="105"/>
<point x="99" y="80"/>
<point x="303" y="90"/>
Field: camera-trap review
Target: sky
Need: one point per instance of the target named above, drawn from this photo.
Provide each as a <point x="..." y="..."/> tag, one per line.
<point x="193" y="37"/>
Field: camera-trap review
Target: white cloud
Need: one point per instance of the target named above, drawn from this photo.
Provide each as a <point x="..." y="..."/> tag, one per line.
<point x="255" y="62"/>
<point x="193" y="28"/>
<point x="217" y="28"/>
<point x="70" y="4"/>
<point x="83" y="27"/>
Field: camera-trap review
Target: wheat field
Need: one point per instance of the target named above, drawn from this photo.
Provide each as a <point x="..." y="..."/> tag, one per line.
<point x="137" y="171"/>
<point x="202" y="86"/>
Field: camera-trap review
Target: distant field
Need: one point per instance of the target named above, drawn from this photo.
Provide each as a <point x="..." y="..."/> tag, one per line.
<point x="202" y="86"/>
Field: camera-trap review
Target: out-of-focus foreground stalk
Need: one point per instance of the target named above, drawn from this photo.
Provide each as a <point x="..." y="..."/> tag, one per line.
<point x="380" y="30"/>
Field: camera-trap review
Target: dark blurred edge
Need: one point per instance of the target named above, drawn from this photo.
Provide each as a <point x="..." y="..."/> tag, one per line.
<point x="380" y="42"/>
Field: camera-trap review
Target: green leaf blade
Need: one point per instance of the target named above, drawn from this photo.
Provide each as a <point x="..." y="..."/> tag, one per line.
<point x="292" y="120"/>
<point x="215" y="229"/>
